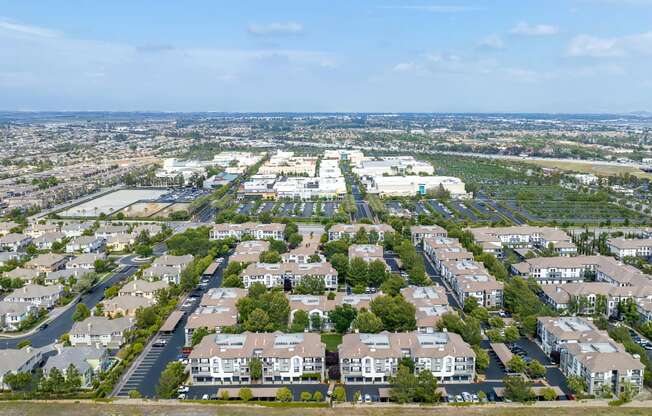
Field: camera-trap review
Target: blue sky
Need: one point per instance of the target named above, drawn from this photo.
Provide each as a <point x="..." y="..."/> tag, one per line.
<point x="331" y="55"/>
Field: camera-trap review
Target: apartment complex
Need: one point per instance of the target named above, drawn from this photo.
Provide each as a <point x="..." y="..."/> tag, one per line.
<point x="374" y="358"/>
<point x="285" y="358"/>
<point x="249" y="251"/>
<point x="321" y="306"/>
<point x="339" y="231"/>
<point x="430" y="303"/>
<point x="523" y="236"/>
<point x="256" y="231"/>
<point x="421" y="232"/>
<point x="630" y="247"/>
<point x="217" y="310"/>
<point x="277" y="274"/>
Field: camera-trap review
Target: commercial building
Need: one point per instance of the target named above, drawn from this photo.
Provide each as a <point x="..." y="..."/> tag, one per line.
<point x="285" y="358"/>
<point x="389" y="166"/>
<point x="413" y="185"/>
<point x="375" y="358"/>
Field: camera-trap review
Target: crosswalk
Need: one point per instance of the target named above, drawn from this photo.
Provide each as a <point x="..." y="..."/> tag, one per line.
<point x="137" y="376"/>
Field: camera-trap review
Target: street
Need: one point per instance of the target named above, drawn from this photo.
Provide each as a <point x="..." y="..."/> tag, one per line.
<point x="63" y="323"/>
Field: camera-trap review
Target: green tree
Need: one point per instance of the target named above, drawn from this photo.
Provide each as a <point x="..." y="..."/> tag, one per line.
<point x="144" y="250"/>
<point x="284" y="395"/>
<point x="300" y="322"/>
<point x="395" y="312"/>
<point x="340" y="262"/>
<point x="339" y="394"/>
<point x="535" y="369"/>
<point x="548" y="394"/>
<point x="511" y="334"/>
<point x="315" y="322"/>
<point x="358" y="272"/>
<point x="170" y="379"/>
<point x="481" y="359"/>
<point x="306" y="396"/>
<point x="310" y="285"/>
<point x="367" y="322"/>
<point x="270" y="256"/>
<point x="81" y="312"/>
<point x="73" y="378"/>
<point x="426" y="391"/>
<point x="198" y="334"/>
<point x="245" y="394"/>
<point x="576" y="384"/>
<point x="17" y="381"/>
<point x="393" y="285"/>
<point x="403" y="386"/>
<point x="516" y="364"/>
<point x="376" y="273"/>
<point x="318" y="396"/>
<point x="518" y="389"/>
<point x="294" y="240"/>
<point x="258" y="321"/>
<point x="342" y="317"/>
<point x="256" y="368"/>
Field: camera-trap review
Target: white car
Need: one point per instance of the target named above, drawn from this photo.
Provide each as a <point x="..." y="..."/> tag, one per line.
<point x="182" y="396"/>
<point x="183" y="389"/>
<point x="367" y="398"/>
<point x="205" y="397"/>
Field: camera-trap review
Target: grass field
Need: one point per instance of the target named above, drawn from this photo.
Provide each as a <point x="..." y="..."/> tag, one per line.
<point x="85" y="409"/>
<point x="596" y="169"/>
<point x="331" y="341"/>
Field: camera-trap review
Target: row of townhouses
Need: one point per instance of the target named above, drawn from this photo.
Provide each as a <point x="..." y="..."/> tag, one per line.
<point x="277" y="274"/>
<point x="256" y="231"/>
<point x="493" y="239"/>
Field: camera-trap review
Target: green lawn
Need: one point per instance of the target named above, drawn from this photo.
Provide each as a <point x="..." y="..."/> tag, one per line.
<point x="331" y="341"/>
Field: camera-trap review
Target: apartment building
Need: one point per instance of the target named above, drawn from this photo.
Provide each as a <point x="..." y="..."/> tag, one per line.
<point x="468" y="278"/>
<point x="430" y="303"/>
<point x="367" y="252"/>
<point x="256" y="231"/>
<point x="603" y="364"/>
<point x="586" y="296"/>
<point x="277" y="274"/>
<point x="630" y="247"/>
<point x="303" y="252"/>
<point x="339" y="231"/>
<point x="285" y="358"/>
<point x="432" y="243"/>
<point x="374" y="358"/>
<point x="100" y="331"/>
<point x="7" y="226"/>
<point x="421" y="232"/>
<point x="217" y="310"/>
<point x="354" y="157"/>
<point x="285" y="163"/>
<point x="555" y="332"/>
<point x="449" y="254"/>
<point x="249" y="251"/>
<point x="561" y="270"/>
<point x="320" y="305"/>
<point x="523" y="236"/>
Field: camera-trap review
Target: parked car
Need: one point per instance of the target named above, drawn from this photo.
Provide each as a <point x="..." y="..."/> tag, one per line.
<point x="182" y="396"/>
<point x="205" y="397"/>
<point x="183" y="389"/>
<point x="367" y="398"/>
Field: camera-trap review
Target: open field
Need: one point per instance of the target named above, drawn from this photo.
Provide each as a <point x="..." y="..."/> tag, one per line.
<point x="112" y="202"/>
<point x="143" y="209"/>
<point x="179" y="206"/>
<point x="587" y="167"/>
<point x="102" y="409"/>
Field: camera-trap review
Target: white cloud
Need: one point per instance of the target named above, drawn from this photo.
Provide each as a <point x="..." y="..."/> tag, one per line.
<point x="597" y="47"/>
<point x="275" y="28"/>
<point x="491" y="42"/>
<point x="526" y="29"/>
<point x="12" y="27"/>
<point x="436" y="8"/>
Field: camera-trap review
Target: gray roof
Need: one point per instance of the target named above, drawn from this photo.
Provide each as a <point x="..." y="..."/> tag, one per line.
<point x="99" y="325"/>
<point x="77" y="356"/>
<point x="13" y="359"/>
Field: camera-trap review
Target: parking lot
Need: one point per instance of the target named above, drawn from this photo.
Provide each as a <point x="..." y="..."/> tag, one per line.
<point x="142" y="371"/>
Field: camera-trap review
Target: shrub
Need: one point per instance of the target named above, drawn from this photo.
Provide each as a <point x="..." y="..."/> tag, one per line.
<point x="245" y="394"/>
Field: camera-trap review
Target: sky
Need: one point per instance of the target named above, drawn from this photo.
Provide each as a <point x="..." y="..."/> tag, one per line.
<point x="555" y="56"/>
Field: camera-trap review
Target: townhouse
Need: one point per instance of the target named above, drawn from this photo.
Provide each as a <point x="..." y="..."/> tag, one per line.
<point x="45" y="241"/>
<point x="14" y="242"/>
<point x="217" y="310"/>
<point x="375" y="358"/>
<point x="7" y="226"/>
<point x="339" y="231"/>
<point x="48" y="262"/>
<point x="142" y="288"/>
<point x="523" y="236"/>
<point x="109" y="230"/>
<point x="285" y="358"/>
<point x="249" y="251"/>
<point x="37" y="295"/>
<point x="430" y="244"/>
<point x="21" y="273"/>
<point x="37" y="230"/>
<point x="430" y="303"/>
<point x="282" y="274"/>
<point x="88" y="361"/>
<point x="120" y="242"/>
<point x="450" y="254"/>
<point x="257" y="231"/>
<point x="630" y="247"/>
<point x="100" y="331"/>
<point x="7" y="256"/>
<point x="23" y="360"/>
<point x="76" y="229"/>
<point x="169" y="274"/>
<point x="421" y="232"/>
<point x="151" y="229"/>
<point x="561" y="270"/>
<point x="367" y="252"/>
<point x="85" y="261"/>
<point x="125" y="305"/>
<point x="13" y="313"/>
<point x="603" y="364"/>
<point x="85" y="244"/>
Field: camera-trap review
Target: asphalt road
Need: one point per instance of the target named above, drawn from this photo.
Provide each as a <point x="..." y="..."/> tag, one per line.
<point x="63" y="323"/>
<point x="145" y="377"/>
